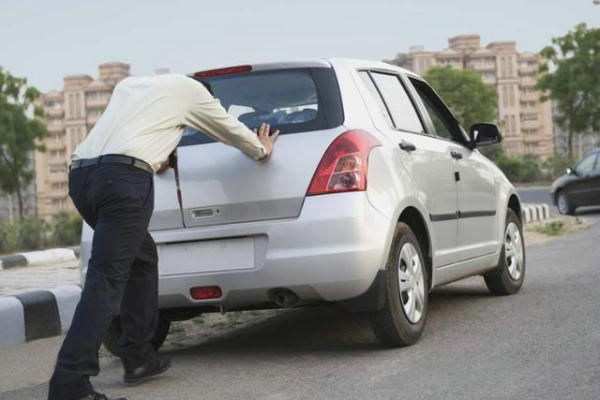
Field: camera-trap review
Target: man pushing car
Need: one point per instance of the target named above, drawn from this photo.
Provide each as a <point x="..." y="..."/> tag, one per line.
<point x="111" y="185"/>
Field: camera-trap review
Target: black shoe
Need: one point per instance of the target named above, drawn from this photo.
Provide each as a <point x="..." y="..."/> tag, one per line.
<point x="145" y="372"/>
<point x="99" y="396"/>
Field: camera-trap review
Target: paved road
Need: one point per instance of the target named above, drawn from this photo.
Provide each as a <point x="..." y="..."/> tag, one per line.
<point x="543" y="343"/>
<point x="541" y="195"/>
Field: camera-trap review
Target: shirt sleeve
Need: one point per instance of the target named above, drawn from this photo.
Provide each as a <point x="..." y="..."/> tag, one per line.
<point x="208" y="116"/>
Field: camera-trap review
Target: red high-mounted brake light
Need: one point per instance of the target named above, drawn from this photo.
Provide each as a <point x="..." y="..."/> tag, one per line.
<point x="343" y="167"/>
<point x="224" y="71"/>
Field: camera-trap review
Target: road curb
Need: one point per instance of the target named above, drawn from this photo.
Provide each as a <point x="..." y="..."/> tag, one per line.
<point x="41" y="257"/>
<point x="37" y="314"/>
<point x="535" y="212"/>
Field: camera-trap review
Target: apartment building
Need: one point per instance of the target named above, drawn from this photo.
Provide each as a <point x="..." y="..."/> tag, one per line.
<point x="526" y="122"/>
<point x="70" y="114"/>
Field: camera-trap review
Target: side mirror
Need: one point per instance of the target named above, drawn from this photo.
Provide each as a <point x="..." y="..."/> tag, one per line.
<point x="484" y="134"/>
<point x="570" y="171"/>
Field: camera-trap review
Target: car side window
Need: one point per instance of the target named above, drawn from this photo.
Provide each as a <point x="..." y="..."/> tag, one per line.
<point x="401" y="108"/>
<point x="586" y="165"/>
<point x="364" y="75"/>
<point x="443" y="122"/>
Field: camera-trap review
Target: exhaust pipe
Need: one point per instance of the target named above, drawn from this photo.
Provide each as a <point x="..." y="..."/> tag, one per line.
<point x="283" y="297"/>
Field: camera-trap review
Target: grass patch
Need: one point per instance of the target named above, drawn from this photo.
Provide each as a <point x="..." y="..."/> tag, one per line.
<point x="553" y="228"/>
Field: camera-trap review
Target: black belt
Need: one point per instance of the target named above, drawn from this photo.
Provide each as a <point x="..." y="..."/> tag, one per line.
<point x="112" y="159"/>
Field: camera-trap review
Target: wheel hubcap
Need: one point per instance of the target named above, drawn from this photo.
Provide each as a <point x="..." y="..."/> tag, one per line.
<point x="411" y="282"/>
<point x="513" y="251"/>
<point x="562" y="204"/>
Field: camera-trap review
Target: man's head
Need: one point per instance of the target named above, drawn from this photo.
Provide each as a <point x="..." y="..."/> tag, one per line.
<point x="204" y="83"/>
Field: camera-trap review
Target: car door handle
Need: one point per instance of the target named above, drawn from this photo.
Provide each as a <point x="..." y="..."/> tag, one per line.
<point x="407" y="146"/>
<point x="456" y="155"/>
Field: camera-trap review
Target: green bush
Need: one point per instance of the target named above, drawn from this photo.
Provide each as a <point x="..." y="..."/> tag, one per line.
<point x="34" y="233"/>
<point x="66" y="229"/>
<point x="527" y="169"/>
<point x="9" y="237"/>
<point x="522" y="170"/>
<point x="555" y="166"/>
<point x="553" y="228"/>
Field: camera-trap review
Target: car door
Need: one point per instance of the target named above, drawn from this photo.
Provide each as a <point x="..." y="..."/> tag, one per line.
<point x="425" y="157"/>
<point x="594" y="195"/>
<point x="583" y="190"/>
<point x="477" y="230"/>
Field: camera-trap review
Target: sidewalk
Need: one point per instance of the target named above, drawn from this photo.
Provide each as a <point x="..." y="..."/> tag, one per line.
<point x="23" y="279"/>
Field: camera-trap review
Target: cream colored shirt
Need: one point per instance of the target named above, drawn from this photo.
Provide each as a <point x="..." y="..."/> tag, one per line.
<point x="146" y="117"/>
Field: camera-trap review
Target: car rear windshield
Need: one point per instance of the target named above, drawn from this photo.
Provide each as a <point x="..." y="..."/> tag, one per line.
<point x="291" y="100"/>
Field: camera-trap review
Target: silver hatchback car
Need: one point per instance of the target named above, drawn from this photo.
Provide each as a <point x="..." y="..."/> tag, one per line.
<point x="374" y="196"/>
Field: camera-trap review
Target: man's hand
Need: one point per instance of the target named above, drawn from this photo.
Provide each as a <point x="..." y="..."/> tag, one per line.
<point x="266" y="140"/>
<point x="163" y="167"/>
<point x="170" y="162"/>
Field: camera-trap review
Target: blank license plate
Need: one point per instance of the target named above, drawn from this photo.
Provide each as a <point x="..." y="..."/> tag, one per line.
<point x="206" y="256"/>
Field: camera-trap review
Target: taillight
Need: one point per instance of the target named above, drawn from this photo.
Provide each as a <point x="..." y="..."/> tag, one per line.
<point x="224" y="71"/>
<point x="205" y="292"/>
<point x="343" y="167"/>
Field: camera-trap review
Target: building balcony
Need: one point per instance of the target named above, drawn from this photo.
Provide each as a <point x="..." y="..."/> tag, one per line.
<point x="54" y="111"/>
<point x="531" y="124"/>
<point x="54" y="144"/>
<point x="60" y="194"/>
<point x="58" y="177"/>
<point x="529" y="70"/>
<point x="530" y="96"/>
<point x="532" y="140"/>
<point x="55" y="128"/>
<point x="528" y="82"/>
<point x="99" y="102"/>
<point x="489" y="67"/>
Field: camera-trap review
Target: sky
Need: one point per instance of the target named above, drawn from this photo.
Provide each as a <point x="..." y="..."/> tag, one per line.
<point x="46" y="40"/>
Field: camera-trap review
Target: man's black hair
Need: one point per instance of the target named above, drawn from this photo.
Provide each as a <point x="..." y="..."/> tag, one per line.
<point x="204" y="83"/>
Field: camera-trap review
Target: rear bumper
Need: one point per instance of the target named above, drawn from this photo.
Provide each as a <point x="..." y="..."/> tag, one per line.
<point x="331" y="252"/>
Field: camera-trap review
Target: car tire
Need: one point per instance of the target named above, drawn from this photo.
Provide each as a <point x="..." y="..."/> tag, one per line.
<point x="564" y="204"/>
<point x="402" y="319"/>
<point x="113" y="335"/>
<point x="508" y="276"/>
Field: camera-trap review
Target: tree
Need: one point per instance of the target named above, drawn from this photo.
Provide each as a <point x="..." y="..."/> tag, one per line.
<point x="19" y="134"/>
<point x="571" y="77"/>
<point x="401" y="60"/>
<point x="468" y="97"/>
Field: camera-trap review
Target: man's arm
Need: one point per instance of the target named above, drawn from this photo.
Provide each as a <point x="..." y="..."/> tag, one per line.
<point x="208" y="116"/>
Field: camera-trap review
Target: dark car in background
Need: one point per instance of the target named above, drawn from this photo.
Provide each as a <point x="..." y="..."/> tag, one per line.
<point x="580" y="186"/>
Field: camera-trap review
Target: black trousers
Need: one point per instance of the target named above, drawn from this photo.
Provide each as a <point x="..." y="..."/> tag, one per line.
<point x="116" y="200"/>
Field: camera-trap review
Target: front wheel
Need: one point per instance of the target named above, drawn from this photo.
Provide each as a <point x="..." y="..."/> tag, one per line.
<point x="508" y="276"/>
<point x="564" y="204"/>
<point x="113" y="335"/>
<point x="402" y="320"/>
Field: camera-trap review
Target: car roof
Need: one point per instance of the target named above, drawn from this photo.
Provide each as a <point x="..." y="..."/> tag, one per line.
<point x="361" y="63"/>
<point x="322" y="63"/>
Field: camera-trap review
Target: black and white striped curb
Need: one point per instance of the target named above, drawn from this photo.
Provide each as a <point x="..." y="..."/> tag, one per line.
<point x="535" y="212"/>
<point x="41" y="257"/>
<point x="38" y="314"/>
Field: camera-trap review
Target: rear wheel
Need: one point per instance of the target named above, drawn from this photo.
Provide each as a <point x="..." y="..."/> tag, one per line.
<point x="402" y="320"/>
<point x="508" y="276"/>
<point x="564" y="204"/>
<point x="113" y="335"/>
